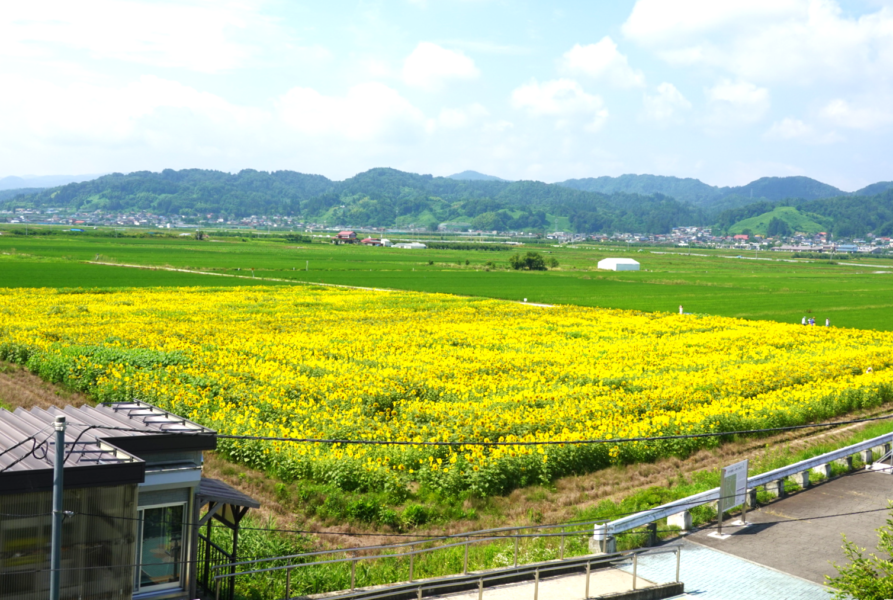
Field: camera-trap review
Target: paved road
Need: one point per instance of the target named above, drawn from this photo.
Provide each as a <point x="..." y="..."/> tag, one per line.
<point x="797" y="535"/>
<point x="712" y="575"/>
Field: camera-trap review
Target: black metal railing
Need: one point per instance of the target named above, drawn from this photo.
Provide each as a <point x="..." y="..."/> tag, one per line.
<point x="210" y="555"/>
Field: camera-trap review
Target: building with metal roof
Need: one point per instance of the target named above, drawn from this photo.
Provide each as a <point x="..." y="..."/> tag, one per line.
<point x="618" y="264"/>
<point x="134" y="497"/>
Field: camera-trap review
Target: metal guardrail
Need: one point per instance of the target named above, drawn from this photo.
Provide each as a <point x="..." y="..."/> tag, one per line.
<point x="536" y="569"/>
<point x="671" y="508"/>
<point x="463" y="580"/>
<point x="471" y="537"/>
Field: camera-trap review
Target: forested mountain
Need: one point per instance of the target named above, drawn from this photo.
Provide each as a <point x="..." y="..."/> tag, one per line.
<point x="9" y="194"/>
<point x="780" y="188"/>
<point x="474" y="176"/>
<point x="875" y="188"/>
<point x="378" y="198"/>
<point x="844" y="216"/>
<point x="687" y="190"/>
<point x="388" y="198"/>
<point x="42" y="181"/>
<point x="190" y="192"/>
<point x="708" y="196"/>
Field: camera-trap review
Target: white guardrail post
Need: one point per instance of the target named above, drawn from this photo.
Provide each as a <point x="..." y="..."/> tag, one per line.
<point x="772" y="479"/>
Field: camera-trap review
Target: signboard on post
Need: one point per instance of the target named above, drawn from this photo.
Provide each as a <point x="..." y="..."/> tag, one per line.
<point x="733" y="488"/>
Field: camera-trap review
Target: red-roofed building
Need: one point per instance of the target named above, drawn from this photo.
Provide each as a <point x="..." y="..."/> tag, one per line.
<point x="345" y="237"/>
<point x="741" y="236"/>
<point x="371" y="242"/>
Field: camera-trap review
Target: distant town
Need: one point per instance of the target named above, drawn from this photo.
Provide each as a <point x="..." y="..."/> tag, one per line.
<point x="683" y="237"/>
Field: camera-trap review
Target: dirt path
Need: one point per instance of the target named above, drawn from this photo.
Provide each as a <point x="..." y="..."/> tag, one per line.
<point x="20" y="388"/>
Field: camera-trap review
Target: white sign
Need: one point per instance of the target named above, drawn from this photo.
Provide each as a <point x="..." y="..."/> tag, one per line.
<point x="733" y="488"/>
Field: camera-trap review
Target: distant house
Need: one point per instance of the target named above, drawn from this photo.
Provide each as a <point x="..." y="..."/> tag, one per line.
<point x="345" y="237"/>
<point x="791" y="248"/>
<point x="386" y="243"/>
<point x="847" y="248"/>
<point x="618" y="264"/>
<point x="741" y="236"/>
<point x="411" y="246"/>
<point x="136" y="502"/>
<point x="371" y="242"/>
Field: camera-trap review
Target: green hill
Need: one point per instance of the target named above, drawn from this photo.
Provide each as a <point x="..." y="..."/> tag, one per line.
<point x="688" y="190"/>
<point x="781" y="188"/>
<point x="797" y="222"/>
<point x="704" y="195"/>
<point x="474" y="176"/>
<point x="377" y="198"/>
<point x="875" y="188"/>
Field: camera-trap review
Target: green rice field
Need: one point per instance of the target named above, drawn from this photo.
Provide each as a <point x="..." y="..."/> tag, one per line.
<point x="772" y="286"/>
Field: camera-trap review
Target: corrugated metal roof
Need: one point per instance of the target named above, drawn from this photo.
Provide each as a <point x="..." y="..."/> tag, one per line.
<point x="214" y="490"/>
<point x="95" y="437"/>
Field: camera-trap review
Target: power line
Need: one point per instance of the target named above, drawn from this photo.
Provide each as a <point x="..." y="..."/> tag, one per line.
<point x="429" y="537"/>
<point x="703" y="528"/>
<point x="503" y="443"/>
<point x="32" y="438"/>
<point x="41" y="445"/>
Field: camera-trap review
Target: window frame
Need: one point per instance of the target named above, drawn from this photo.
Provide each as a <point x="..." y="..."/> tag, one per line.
<point x="139" y="589"/>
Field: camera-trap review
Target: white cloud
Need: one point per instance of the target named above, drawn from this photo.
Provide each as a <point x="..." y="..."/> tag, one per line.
<point x="665" y="104"/>
<point x="732" y="103"/>
<point x="458" y="118"/>
<point x="199" y="35"/>
<point x="485" y="47"/>
<point x="430" y="67"/>
<point x="368" y="112"/>
<point x="498" y="126"/>
<point x="655" y="21"/>
<point x="601" y="61"/>
<point x="563" y="98"/>
<point x="786" y="41"/>
<point x="83" y="114"/>
<point x="867" y="115"/>
<point x="790" y="128"/>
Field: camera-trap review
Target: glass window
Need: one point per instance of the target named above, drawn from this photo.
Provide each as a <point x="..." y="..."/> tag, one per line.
<point x="160" y="547"/>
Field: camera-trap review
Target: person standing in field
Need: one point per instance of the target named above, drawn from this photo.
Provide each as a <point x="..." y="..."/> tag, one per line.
<point x="827" y="322"/>
<point x="803" y="321"/>
<point x="680" y="309"/>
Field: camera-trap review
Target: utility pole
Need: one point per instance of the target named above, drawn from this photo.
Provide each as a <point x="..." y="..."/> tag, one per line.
<point x="56" y="543"/>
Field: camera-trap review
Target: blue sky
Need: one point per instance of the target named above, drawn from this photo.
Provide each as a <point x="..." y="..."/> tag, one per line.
<point x="723" y="91"/>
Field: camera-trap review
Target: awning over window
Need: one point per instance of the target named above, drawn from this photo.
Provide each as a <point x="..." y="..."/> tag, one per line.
<point x="226" y="504"/>
<point x="214" y="490"/>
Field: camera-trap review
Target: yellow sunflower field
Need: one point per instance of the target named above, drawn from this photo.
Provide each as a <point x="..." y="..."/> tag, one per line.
<point x="305" y="362"/>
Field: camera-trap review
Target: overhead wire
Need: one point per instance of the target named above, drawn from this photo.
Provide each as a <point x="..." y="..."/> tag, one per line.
<point x="487" y="443"/>
<point x="485" y="533"/>
<point x="36" y="446"/>
<point x="566" y="534"/>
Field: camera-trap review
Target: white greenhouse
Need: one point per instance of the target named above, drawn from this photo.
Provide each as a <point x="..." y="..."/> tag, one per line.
<point x="618" y="264"/>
